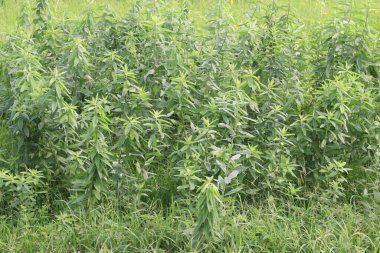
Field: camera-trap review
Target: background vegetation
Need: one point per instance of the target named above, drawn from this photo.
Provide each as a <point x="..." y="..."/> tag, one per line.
<point x="309" y="12"/>
<point x="181" y="126"/>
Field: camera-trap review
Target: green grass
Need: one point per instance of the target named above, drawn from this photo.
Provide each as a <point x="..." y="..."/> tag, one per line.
<point x="309" y="11"/>
<point x="270" y="228"/>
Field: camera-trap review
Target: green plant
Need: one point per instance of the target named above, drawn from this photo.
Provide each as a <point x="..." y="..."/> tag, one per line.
<point x="345" y="41"/>
<point x="208" y="203"/>
<point x="20" y="190"/>
<point x="178" y="131"/>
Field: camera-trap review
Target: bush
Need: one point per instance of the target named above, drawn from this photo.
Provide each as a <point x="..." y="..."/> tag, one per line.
<point x="149" y="107"/>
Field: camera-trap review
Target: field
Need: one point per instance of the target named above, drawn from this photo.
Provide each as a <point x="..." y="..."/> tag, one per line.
<point x="308" y="11"/>
<point x="189" y="126"/>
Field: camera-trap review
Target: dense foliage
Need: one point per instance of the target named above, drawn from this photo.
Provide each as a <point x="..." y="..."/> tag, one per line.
<point x="154" y="109"/>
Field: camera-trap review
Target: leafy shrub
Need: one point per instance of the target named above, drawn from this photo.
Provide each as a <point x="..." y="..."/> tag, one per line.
<point x="20" y="190"/>
<point x="346" y="42"/>
<point x="152" y="105"/>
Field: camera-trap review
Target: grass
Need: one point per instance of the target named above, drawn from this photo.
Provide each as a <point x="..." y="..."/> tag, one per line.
<point x="310" y="12"/>
<point x="270" y="228"/>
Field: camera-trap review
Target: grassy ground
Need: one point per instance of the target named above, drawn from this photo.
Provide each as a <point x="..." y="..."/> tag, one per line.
<point x="309" y="11"/>
<point x="270" y="228"/>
